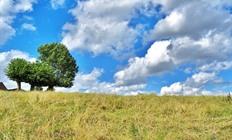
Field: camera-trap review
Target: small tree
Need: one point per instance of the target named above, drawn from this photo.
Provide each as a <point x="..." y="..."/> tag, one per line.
<point x="17" y="70"/>
<point x="64" y="65"/>
<point x="40" y="74"/>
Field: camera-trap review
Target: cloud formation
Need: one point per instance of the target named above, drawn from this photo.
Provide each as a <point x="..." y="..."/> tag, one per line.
<point x="156" y="61"/>
<point x="90" y="83"/>
<point x="194" y="37"/>
<point x="193" y="19"/>
<point x="192" y="86"/>
<point x="103" y="26"/>
<point x="8" y="11"/>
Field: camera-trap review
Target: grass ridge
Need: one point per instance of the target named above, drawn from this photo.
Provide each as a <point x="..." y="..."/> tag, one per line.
<point x="45" y="116"/>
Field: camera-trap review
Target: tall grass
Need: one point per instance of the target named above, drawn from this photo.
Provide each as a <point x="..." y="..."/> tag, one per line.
<point x="61" y="116"/>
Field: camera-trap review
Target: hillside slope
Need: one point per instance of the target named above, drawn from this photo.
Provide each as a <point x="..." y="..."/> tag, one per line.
<point x="81" y="116"/>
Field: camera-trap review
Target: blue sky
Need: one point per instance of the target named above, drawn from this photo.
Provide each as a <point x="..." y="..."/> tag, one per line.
<point x="127" y="47"/>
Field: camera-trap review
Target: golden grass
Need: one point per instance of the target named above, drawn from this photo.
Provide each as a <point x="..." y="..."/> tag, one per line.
<point x="60" y="116"/>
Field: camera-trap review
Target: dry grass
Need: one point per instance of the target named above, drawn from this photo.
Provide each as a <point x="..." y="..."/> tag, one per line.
<point x="81" y="116"/>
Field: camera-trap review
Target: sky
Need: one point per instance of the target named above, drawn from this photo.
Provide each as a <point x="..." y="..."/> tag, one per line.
<point x="127" y="47"/>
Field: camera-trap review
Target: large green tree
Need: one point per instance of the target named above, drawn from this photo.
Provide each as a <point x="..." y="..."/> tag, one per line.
<point x="17" y="71"/>
<point x="60" y="59"/>
<point x="40" y="74"/>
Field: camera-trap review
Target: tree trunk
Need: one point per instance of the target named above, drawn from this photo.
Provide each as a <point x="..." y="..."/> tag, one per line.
<point x="50" y="88"/>
<point x="32" y="88"/>
<point x="19" y="85"/>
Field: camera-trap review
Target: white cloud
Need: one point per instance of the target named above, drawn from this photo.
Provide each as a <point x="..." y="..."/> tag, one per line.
<point x="192" y="86"/>
<point x="179" y="89"/>
<point x="97" y="39"/>
<point x="196" y="32"/>
<point x="90" y="83"/>
<point x="5" y="58"/>
<point x="199" y="33"/>
<point x="190" y="20"/>
<point x="6" y="32"/>
<point x="169" y="5"/>
<point x="203" y="51"/>
<point x="201" y="78"/>
<point x="8" y="11"/>
<point x="101" y="26"/>
<point x="216" y="66"/>
<point x="29" y="27"/>
<point x="209" y="54"/>
<point x="24" y="5"/>
<point x="57" y="3"/>
<point x="156" y="61"/>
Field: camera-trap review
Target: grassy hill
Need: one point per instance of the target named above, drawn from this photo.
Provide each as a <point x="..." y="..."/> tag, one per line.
<point x="81" y="116"/>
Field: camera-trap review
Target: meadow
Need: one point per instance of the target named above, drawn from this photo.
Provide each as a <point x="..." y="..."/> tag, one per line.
<point x="60" y="116"/>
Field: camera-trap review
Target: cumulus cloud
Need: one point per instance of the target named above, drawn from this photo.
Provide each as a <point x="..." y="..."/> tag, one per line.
<point x="216" y="66"/>
<point x="208" y="54"/>
<point x="177" y="23"/>
<point x="8" y="11"/>
<point x="6" y="31"/>
<point x="102" y="26"/>
<point x="198" y="32"/>
<point x="163" y="56"/>
<point x="5" y="58"/>
<point x="203" y="51"/>
<point x="90" y="83"/>
<point x="156" y="61"/>
<point x="192" y="86"/>
<point x="211" y="50"/>
<point x="29" y="27"/>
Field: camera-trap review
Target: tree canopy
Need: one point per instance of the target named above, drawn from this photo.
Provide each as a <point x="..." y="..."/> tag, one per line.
<point x="17" y="70"/>
<point x="40" y="74"/>
<point x="58" y="57"/>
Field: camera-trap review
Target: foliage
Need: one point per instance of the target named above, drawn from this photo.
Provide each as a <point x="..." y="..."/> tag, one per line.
<point x="58" y="56"/>
<point x="89" y="117"/>
<point x="40" y="74"/>
<point x="17" y="70"/>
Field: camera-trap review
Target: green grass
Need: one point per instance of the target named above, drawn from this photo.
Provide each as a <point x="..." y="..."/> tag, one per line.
<point x="45" y="116"/>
